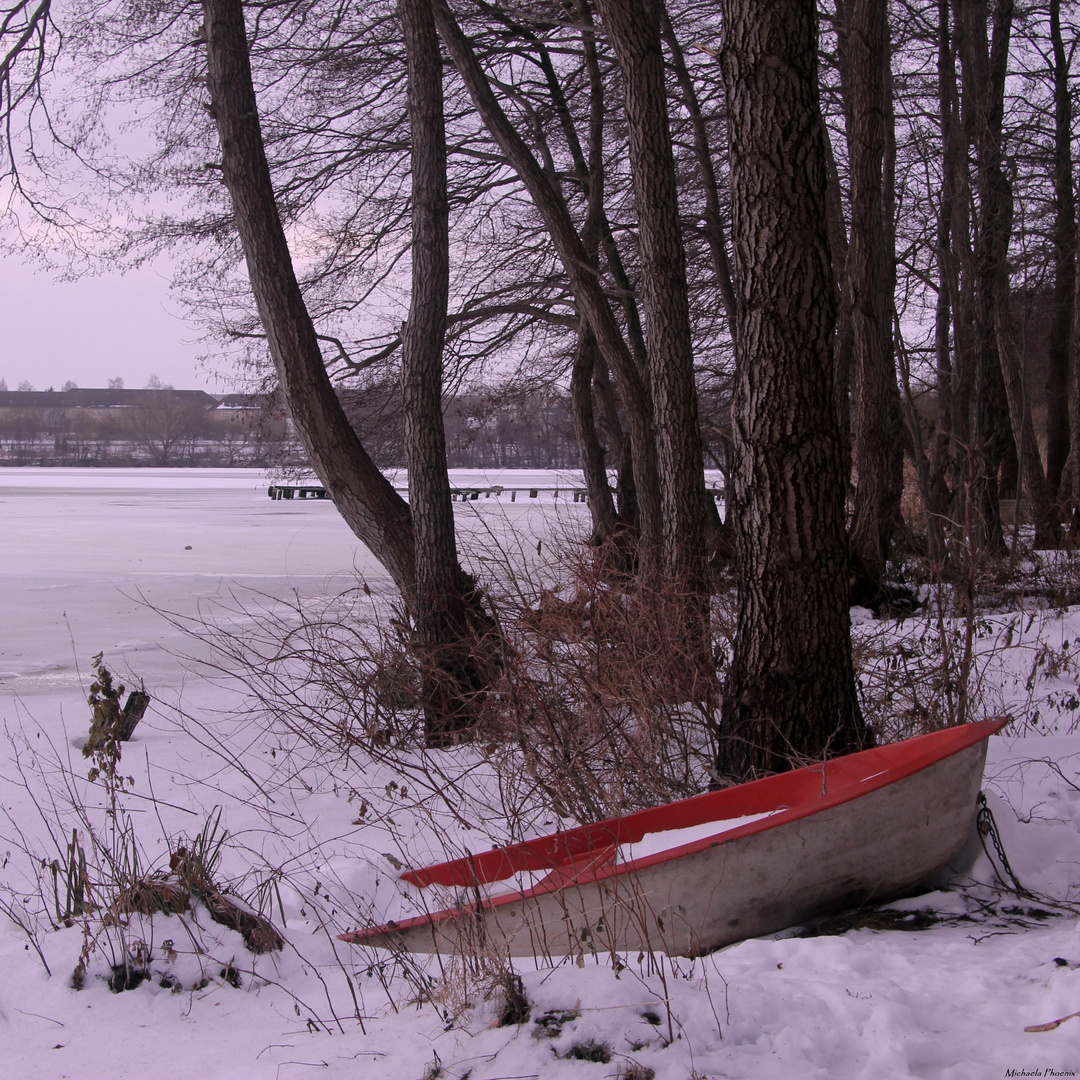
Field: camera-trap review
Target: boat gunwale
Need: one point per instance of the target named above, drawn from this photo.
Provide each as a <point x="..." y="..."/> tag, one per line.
<point x="469" y="870"/>
<point x="597" y="863"/>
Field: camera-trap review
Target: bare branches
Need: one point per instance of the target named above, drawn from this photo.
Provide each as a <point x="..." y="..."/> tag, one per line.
<point x="28" y="40"/>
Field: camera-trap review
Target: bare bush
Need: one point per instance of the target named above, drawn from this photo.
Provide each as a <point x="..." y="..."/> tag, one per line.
<point x="589" y="717"/>
<point x="98" y="875"/>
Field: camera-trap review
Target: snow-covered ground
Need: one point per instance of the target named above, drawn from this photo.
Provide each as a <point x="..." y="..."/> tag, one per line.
<point x="112" y="561"/>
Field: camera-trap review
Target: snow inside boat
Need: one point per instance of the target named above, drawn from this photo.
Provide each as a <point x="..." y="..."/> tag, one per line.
<point x="695" y="875"/>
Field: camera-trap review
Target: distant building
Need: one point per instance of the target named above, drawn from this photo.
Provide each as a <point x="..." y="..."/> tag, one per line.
<point x="98" y="403"/>
<point x="160" y="426"/>
<point x="252" y="411"/>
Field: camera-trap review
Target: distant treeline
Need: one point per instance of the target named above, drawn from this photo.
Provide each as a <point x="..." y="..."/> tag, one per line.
<point x="497" y="428"/>
<point x="157" y="426"/>
<point x="502" y="428"/>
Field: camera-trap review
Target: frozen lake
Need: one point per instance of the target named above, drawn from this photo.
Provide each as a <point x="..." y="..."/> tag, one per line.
<point x="89" y="554"/>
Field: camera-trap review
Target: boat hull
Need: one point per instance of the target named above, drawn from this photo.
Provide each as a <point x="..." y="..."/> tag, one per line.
<point x="876" y="842"/>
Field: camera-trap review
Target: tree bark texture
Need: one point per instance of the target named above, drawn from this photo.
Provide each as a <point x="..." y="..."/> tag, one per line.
<point x="364" y="497"/>
<point x="986" y="66"/>
<point x="584" y="281"/>
<point x="597" y="234"/>
<point x="450" y="624"/>
<point x="1057" y="421"/>
<point x="791" y="692"/>
<point x="945" y="451"/>
<point x="634" y="28"/>
<point x="1074" y="405"/>
<point x="843" y="346"/>
<point x="869" y="278"/>
<point x="703" y="155"/>
<point x="601" y="502"/>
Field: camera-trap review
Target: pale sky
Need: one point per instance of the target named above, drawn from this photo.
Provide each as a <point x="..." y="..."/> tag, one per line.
<point x="96" y="329"/>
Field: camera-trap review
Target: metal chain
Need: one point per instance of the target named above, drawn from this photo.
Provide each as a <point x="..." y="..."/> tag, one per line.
<point x="987" y="827"/>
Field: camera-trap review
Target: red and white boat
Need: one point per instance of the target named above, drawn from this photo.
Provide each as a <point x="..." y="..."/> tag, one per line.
<point x="695" y="875"/>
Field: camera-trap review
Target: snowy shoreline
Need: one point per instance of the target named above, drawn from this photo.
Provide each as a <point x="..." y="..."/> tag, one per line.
<point x="950" y="1001"/>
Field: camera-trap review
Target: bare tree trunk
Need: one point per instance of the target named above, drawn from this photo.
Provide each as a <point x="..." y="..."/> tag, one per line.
<point x="717" y="541"/>
<point x="703" y="155"/>
<point x="944" y="451"/>
<point x="589" y="296"/>
<point x="590" y="173"/>
<point x="589" y="370"/>
<point x="1074" y="408"/>
<point x="601" y="503"/>
<point x="791" y="691"/>
<point x="1044" y="509"/>
<point x="1058" y="436"/>
<point x="451" y="626"/>
<point x="921" y="457"/>
<point x="634" y="27"/>
<point x="843" y="345"/>
<point x="978" y="416"/>
<point x="598" y="218"/>
<point x="618" y="444"/>
<point x="364" y="497"/>
<point x="598" y="227"/>
<point x="869" y="277"/>
<point x="595" y="232"/>
<point x="977" y="512"/>
<point x="986" y="67"/>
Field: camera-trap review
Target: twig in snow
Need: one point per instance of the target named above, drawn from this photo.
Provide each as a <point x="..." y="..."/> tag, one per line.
<point x="1052" y="1025"/>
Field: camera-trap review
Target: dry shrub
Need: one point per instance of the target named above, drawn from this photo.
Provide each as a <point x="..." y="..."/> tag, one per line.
<point x="606" y="704"/>
<point x="973" y="649"/>
<point x="190" y="878"/>
<point x="478" y="975"/>
<point x="594" y="716"/>
<point x="156" y="892"/>
<point x="602" y="706"/>
<point x="334" y="671"/>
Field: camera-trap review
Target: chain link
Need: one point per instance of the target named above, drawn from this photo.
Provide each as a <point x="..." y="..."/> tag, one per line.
<point x="987" y="826"/>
